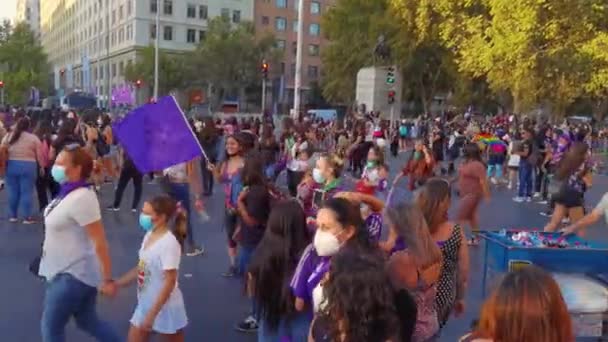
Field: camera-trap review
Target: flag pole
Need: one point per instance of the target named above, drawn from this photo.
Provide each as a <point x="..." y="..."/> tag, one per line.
<point x="298" y="78"/>
<point x="157" y="40"/>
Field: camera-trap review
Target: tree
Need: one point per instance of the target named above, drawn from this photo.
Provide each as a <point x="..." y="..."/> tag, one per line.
<point x="5" y="30"/>
<point x="171" y="70"/>
<point x="23" y="64"/>
<point x="230" y="58"/>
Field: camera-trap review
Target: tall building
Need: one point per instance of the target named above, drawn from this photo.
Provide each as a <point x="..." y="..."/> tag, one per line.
<point x="90" y="42"/>
<point x="281" y="18"/>
<point x="28" y="11"/>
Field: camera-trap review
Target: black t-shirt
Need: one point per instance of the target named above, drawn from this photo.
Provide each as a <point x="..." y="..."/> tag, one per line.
<point x="257" y="204"/>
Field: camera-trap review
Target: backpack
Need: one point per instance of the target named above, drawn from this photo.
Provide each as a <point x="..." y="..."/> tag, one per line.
<point x="102" y="146"/>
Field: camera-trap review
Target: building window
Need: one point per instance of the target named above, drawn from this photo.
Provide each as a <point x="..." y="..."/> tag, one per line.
<point x="281" y="3"/>
<point x="314" y="29"/>
<point x="168" y="7"/>
<point x="202" y="12"/>
<point x="120" y="12"/>
<point x="282" y="68"/>
<point x="153" y="7"/>
<point x="236" y="16"/>
<point x="226" y="13"/>
<point x="201" y="35"/>
<point x="265" y="20"/>
<point x="129" y="7"/>
<point x="313" y="71"/>
<point x="113" y="70"/>
<point x="280" y="44"/>
<point x="152" y="31"/>
<point x="168" y="33"/>
<point x="315" y="7"/>
<point x="280" y="23"/>
<point x="293" y="69"/>
<point x="313" y="50"/>
<point x="113" y="17"/>
<point x="295" y="26"/>
<point x="121" y="68"/>
<point x="191" y="36"/>
<point x="130" y="32"/>
<point x="191" y="11"/>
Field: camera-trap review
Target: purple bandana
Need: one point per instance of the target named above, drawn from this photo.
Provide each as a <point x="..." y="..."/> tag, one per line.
<point x="68" y="187"/>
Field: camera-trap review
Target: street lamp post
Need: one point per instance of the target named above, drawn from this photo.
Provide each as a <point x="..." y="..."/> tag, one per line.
<point x="298" y="78"/>
<point x="264" y="78"/>
<point x="156" y="52"/>
<point x="108" y="71"/>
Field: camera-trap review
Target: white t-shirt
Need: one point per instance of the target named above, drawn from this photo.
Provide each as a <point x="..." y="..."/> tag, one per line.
<point x="164" y="254"/>
<point x="67" y="247"/>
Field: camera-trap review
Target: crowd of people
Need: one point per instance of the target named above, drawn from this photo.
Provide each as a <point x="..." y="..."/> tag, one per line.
<point x="332" y="256"/>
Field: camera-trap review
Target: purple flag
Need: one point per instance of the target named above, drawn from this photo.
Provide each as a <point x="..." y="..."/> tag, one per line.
<point x="157" y="135"/>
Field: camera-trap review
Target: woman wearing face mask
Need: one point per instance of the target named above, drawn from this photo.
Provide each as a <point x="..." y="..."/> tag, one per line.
<point x="415" y="265"/>
<point x="419" y="167"/>
<point x="75" y="258"/>
<point x="326" y="174"/>
<point x="225" y="174"/>
<point x="339" y="225"/>
<point x="373" y="177"/>
<point x="160" y="306"/>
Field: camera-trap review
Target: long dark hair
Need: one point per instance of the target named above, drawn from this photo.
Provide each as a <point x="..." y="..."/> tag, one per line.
<point x="275" y="260"/>
<point x="347" y="214"/>
<point x="22" y="125"/>
<point x="360" y="300"/>
<point x="471" y="152"/>
<point x="572" y="161"/>
<point x="44" y="131"/>
<point x="176" y="217"/>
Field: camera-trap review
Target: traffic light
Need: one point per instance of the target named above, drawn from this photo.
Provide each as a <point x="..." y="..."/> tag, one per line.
<point x="391" y="96"/>
<point x="390" y="75"/>
<point x="1" y="84"/>
<point x="265" y="68"/>
<point x="138" y="83"/>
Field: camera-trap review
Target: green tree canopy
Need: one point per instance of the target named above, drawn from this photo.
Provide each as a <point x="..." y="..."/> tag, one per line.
<point x="171" y="71"/>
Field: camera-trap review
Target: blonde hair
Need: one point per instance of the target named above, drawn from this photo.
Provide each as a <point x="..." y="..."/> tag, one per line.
<point x="409" y="223"/>
<point x="334" y="162"/>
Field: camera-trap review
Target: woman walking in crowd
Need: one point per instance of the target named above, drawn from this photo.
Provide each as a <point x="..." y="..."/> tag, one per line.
<point x="375" y="173"/>
<point x="75" y="258"/>
<point x="44" y="132"/>
<point x="434" y="200"/>
<point x="180" y="181"/>
<point x="415" y="265"/>
<point x="418" y="168"/>
<point x="225" y="173"/>
<point x="473" y="187"/>
<point x="360" y="304"/>
<point x="526" y="306"/>
<point x="209" y="139"/>
<point x="128" y="173"/>
<point x="108" y="161"/>
<point x="571" y="180"/>
<point x="327" y="176"/>
<point x="269" y="149"/>
<point x="272" y="265"/>
<point x="90" y="135"/>
<point x="65" y="136"/>
<point x="24" y="156"/>
<point x="160" y="305"/>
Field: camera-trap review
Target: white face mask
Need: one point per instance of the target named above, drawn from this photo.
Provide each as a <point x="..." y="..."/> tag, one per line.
<point x="317" y="175"/>
<point x="100" y="122"/>
<point x="326" y="243"/>
<point x="373" y="176"/>
<point x="319" y="302"/>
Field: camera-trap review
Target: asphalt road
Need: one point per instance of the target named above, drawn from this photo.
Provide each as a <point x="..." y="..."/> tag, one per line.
<point x="214" y="304"/>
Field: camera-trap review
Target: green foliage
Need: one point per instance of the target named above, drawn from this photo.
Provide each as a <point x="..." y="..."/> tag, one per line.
<point x="171" y="72"/>
<point x="23" y="64"/>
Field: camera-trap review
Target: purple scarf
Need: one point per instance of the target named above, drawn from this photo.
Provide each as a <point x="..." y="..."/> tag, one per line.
<point x="68" y="187"/>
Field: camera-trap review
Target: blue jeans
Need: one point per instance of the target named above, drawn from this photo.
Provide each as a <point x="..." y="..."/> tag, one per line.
<point x="68" y="297"/>
<point x="495" y="170"/>
<point x="525" y="179"/>
<point x="181" y="193"/>
<point x="293" y="329"/>
<point x="20" y="181"/>
<point x="244" y="258"/>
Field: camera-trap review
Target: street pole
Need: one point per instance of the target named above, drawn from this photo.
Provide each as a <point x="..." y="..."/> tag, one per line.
<point x="263" y="95"/>
<point x="108" y="71"/>
<point x="156" y="43"/>
<point x="300" y="43"/>
<point x="2" y="96"/>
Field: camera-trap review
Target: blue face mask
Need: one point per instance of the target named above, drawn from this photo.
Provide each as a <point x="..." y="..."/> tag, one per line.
<point x="417" y="155"/>
<point x="58" y="174"/>
<point x="145" y="222"/>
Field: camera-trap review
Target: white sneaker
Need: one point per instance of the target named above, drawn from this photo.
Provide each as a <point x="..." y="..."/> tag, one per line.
<point x="528" y="199"/>
<point x="518" y="199"/>
<point x="536" y="194"/>
<point x="510" y="186"/>
<point x="493" y="181"/>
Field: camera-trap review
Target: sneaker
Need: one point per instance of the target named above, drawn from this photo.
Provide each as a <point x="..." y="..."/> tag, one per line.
<point x="546" y="214"/>
<point x="493" y="181"/>
<point x="537" y="194"/>
<point x="518" y="199"/>
<point x="112" y="208"/>
<point x="231" y="272"/>
<point x="248" y="325"/>
<point x="195" y="251"/>
<point x="528" y="199"/>
<point x="542" y="202"/>
<point x="13" y="219"/>
<point x="29" y="220"/>
<point x="133" y="210"/>
<point x="566" y="220"/>
<point x="510" y="186"/>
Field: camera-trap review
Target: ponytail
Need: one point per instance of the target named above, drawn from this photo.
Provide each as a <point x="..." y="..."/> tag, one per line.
<point x="177" y="219"/>
<point x="179" y="226"/>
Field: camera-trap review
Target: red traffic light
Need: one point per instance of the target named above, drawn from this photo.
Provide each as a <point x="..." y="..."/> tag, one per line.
<point x="391" y="96"/>
<point x="265" y="67"/>
<point x="138" y="83"/>
<point x="1" y="84"/>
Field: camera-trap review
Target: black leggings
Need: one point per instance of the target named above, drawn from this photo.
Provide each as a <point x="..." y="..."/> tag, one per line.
<point x="127" y="174"/>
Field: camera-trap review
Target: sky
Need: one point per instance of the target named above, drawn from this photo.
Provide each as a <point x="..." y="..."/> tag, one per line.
<point x="7" y="9"/>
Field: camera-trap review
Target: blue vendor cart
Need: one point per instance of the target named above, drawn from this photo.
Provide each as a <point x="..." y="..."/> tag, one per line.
<point x="503" y="254"/>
